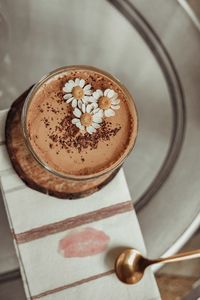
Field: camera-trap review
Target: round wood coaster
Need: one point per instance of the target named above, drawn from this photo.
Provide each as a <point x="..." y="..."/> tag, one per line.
<point x="34" y="175"/>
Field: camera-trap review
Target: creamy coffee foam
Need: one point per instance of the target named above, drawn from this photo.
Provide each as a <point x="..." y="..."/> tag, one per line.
<point x="64" y="147"/>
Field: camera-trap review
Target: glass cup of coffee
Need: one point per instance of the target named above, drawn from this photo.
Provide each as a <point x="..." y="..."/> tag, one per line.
<point x="79" y="123"/>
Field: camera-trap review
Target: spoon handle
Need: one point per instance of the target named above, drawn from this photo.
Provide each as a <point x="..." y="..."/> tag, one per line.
<point x="178" y="257"/>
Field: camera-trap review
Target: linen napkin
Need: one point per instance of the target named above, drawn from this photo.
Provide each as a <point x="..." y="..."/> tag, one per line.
<point x="66" y="248"/>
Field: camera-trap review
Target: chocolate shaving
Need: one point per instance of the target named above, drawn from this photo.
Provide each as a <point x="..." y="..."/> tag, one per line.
<point x="67" y="135"/>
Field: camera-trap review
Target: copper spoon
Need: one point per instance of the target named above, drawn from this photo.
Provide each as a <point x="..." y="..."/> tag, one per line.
<point x="130" y="264"/>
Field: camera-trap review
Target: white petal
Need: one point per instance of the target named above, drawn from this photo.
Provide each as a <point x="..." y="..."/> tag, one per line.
<point x="80" y="103"/>
<point x="70" y="99"/>
<point x="74" y="103"/>
<point x="87" y="87"/>
<point x="96" y="110"/>
<point x="92" y="99"/>
<point x="115" y="101"/>
<point x="78" y="124"/>
<point x="77" y="112"/>
<point x="110" y="94"/>
<point x="106" y="92"/>
<point x="115" y="106"/>
<point x="67" y="96"/>
<point x="75" y="120"/>
<point x="68" y="88"/>
<point x="90" y="129"/>
<point x="99" y="114"/>
<point x="96" y="119"/>
<point x="88" y="92"/>
<point x="96" y="95"/>
<point x="100" y="92"/>
<point x="71" y="82"/>
<point x="83" y="108"/>
<point x="89" y="108"/>
<point x="94" y="105"/>
<point x="85" y="99"/>
<point x="82" y="83"/>
<point x="95" y="125"/>
<point x="114" y="97"/>
<point x="109" y="112"/>
<point x="77" y="81"/>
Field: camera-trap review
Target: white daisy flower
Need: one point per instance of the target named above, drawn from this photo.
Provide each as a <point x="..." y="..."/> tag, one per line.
<point x="107" y="101"/>
<point x="88" y="117"/>
<point x="77" y="91"/>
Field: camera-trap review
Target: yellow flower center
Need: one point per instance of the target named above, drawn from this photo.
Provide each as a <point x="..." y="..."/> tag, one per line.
<point x="86" y="119"/>
<point x="77" y="92"/>
<point x="104" y="102"/>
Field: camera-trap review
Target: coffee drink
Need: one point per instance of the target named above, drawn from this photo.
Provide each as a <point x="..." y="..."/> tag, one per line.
<point x="81" y="122"/>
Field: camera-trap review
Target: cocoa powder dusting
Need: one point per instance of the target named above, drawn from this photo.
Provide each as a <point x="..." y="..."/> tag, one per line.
<point x="67" y="136"/>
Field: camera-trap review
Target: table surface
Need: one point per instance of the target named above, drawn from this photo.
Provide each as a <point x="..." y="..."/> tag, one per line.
<point x="149" y="53"/>
<point x="181" y="280"/>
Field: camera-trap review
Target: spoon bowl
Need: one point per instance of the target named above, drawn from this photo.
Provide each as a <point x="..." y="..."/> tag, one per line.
<point x="130" y="265"/>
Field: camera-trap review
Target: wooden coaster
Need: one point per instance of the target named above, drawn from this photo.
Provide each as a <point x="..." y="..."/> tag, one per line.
<point x="34" y="175"/>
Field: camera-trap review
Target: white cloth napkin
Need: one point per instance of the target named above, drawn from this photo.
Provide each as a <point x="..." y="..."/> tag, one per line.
<point x="66" y="248"/>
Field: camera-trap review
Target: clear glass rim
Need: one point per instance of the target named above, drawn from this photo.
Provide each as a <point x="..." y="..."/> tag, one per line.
<point x="27" y="102"/>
